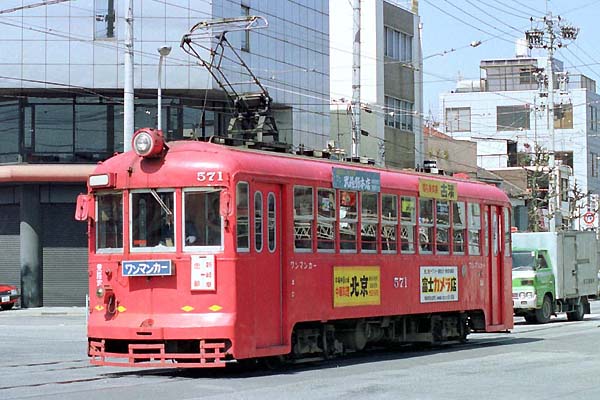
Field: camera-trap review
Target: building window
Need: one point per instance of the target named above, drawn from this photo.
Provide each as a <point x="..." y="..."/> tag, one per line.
<point x="458" y="119"/>
<point x="398" y="45"/>
<point x="399" y="113"/>
<point x="563" y="116"/>
<point x="104" y="19"/>
<point x="564" y="158"/>
<point x="594" y="164"/>
<point x="512" y="118"/>
<point x="564" y="189"/>
<point x="245" y="46"/>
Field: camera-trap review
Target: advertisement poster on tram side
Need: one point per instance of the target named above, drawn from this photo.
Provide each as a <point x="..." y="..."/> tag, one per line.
<point x="439" y="283"/>
<point x="356" y="286"/>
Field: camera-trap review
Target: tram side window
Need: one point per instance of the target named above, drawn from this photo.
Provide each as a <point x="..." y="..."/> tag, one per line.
<point x="408" y="224"/>
<point x="242" y="217"/>
<point x="271" y="222"/>
<point x="325" y="219"/>
<point x="474" y="229"/>
<point x="152" y="222"/>
<point x="486" y="232"/>
<point x="303" y="218"/>
<point x="258" y="221"/>
<point x="442" y="234"/>
<point x="202" y="219"/>
<point x="458" y="227"/>
<point x="109" y="223"/>
<point x="507" y="232"/>
<point x="369" y="205"/>
<point x="348" y="220"/>
<point x="426" y="224"/>
<point x="389" y="223"/>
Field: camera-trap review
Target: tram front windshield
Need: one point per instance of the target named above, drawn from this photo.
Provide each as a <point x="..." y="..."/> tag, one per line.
<point x="154" y="220"/>
<point x="202" y="218"/>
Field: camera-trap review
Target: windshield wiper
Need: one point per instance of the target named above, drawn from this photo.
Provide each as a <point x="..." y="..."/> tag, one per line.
<point x="161" y="202"/>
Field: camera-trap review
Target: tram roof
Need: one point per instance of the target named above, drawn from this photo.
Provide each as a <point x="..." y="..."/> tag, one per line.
<point x="195" y="156"/>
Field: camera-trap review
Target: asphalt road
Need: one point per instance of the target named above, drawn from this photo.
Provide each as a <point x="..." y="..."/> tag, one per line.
<point x="43" y="355"/>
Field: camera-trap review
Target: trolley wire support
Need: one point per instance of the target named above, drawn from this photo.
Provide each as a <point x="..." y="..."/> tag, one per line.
<point x="253" y="116"/>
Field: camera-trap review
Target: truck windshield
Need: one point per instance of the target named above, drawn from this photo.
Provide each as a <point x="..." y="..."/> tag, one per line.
<point x="523" y="260"/>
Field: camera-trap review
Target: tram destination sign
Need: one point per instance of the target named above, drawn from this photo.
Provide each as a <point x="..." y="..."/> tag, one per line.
<point x="350" y="179"/>
<point x="147" y="268"/>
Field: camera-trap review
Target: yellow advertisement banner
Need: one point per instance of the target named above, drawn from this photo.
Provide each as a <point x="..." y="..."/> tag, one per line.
<point x="356" y="286"/>
<point x="437" y="189"/>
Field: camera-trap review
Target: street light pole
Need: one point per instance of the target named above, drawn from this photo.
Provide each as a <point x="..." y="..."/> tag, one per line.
<point x="163" y="51"/>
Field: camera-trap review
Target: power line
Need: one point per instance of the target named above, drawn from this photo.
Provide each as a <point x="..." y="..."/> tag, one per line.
<point x="477" y="19"/>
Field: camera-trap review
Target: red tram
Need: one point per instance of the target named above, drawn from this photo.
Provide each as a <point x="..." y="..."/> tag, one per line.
<point x="203" y="254"/>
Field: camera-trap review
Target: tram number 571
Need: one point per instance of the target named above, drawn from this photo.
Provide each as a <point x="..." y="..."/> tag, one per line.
<point x="209" y="176"/>
<point x="400" y="282"/>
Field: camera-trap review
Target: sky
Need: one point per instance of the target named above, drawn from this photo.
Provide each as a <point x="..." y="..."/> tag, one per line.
<point x="449" y="26"/>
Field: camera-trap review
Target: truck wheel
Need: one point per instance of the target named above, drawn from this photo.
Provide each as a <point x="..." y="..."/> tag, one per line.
<point x="7" y="306"/>
<point x="578" y="314"/>
<point x="543" y="314"/>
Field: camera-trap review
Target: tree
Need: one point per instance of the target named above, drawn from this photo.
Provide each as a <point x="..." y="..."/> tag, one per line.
<point x="537" y="184"/>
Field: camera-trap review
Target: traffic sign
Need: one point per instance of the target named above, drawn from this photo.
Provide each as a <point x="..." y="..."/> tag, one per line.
<point x="589" y="217"/>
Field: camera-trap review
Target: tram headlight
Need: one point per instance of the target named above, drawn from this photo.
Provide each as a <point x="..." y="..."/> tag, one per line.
<point x="100" y="292"/>
<point x="148" y="142"/>
<point x="143" y="143"/>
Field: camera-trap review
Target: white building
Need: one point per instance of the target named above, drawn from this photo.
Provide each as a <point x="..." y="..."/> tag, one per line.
<point x="505" y="109"/>
<point x="390" y="88"/>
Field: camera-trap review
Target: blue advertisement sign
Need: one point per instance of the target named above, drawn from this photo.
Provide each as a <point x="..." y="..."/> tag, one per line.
<point x="350" y="179"/>
<point x="147" y="268"/>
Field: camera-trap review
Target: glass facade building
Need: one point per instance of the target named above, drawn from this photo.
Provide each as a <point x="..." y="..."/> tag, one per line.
<point x="61" y="108"/>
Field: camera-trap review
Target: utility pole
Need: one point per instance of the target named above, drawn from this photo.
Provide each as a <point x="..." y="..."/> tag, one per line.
<point x="356" y="128"/>
<point x="128" y="99"/>
<point x="419" y="134"/>
<point x="553" y="34"/>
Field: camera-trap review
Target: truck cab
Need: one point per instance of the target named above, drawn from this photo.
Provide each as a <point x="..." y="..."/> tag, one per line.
<point x="532" y="280"/>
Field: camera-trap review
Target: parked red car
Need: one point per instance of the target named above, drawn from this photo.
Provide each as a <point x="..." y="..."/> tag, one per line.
<point x="9" y="295"/>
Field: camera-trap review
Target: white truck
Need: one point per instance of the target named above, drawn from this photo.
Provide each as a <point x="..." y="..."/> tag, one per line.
<point x="554" y="272"/>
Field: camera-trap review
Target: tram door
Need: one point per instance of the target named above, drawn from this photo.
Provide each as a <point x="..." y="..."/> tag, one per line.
<point x="496" y="264"/>
<point x="268" y="269"/>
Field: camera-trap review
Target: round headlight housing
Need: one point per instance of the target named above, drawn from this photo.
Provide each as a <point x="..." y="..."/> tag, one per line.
<point x="148" y="143"/>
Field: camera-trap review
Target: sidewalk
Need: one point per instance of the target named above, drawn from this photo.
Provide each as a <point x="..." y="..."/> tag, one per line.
<point x="40" y="311"/>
